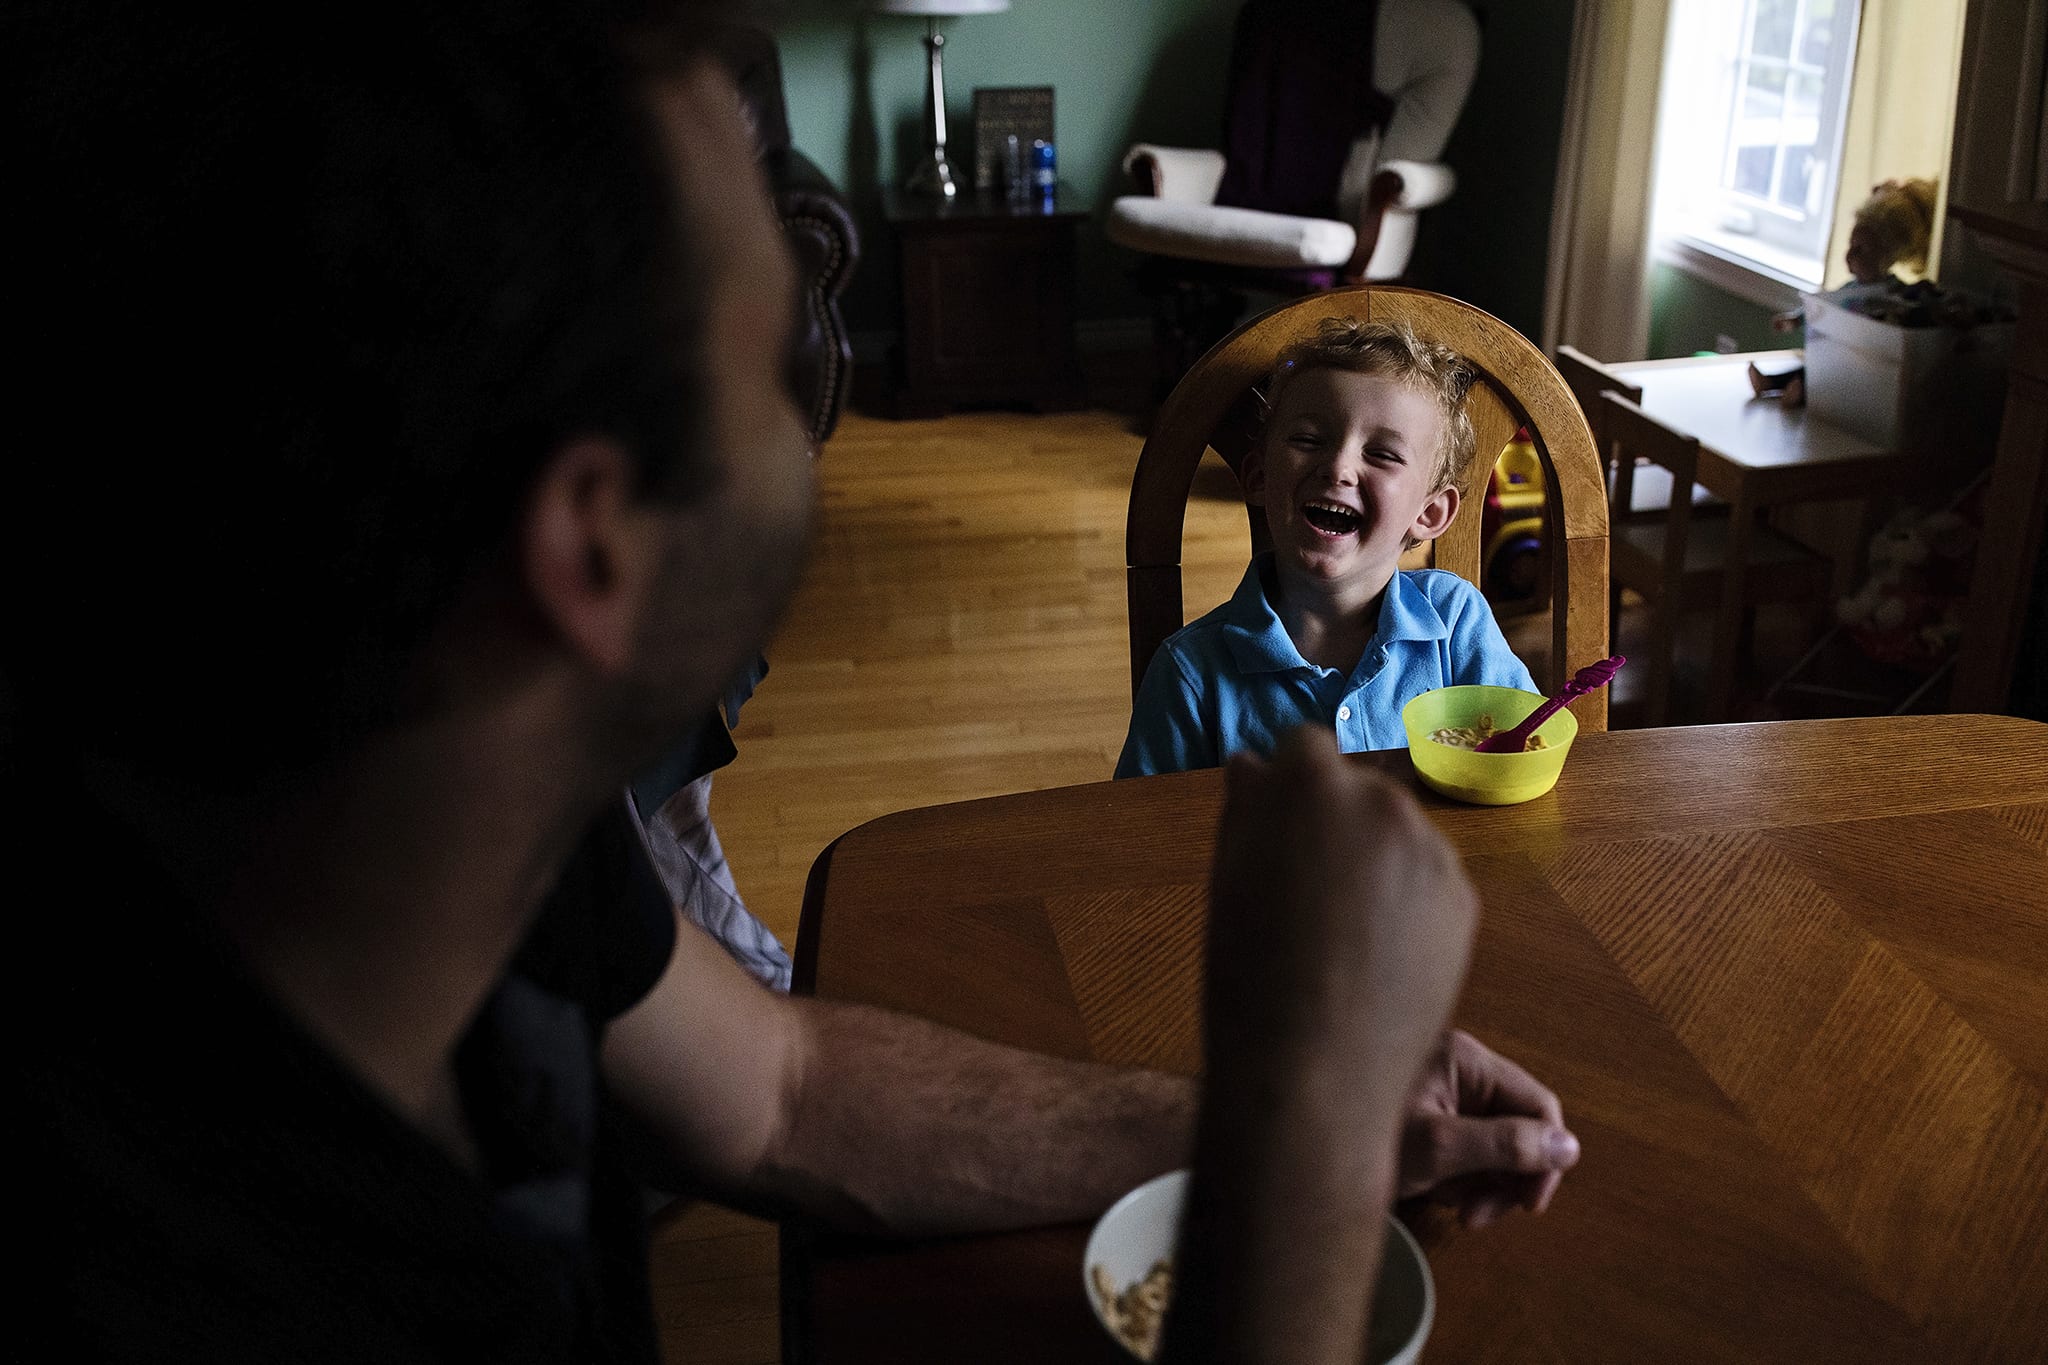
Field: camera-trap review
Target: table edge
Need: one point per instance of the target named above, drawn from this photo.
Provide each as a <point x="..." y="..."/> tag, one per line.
<point x="1395" y="757"/>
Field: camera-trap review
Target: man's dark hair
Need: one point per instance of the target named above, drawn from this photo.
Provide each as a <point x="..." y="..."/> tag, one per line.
<point x="307" y="297"/>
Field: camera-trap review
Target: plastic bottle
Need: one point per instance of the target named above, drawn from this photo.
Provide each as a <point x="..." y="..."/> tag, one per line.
<point x="1045" y="177"/>
<point x="1016" y="185"/>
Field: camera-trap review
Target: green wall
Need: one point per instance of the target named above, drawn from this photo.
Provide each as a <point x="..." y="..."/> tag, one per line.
<point x="1152" y="70"/>
<point x="1490" y="244"/>
<point x="1688" y="314"/>
<point x="1120" y="72"/>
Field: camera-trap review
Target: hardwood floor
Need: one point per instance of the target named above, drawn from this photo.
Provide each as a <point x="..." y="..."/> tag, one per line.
<point x="959" y="632"/>
<point x="713" y="1278"/>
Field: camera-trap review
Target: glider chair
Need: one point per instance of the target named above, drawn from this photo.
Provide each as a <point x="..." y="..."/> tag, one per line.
<point x="1219" y="405"/>
<point x="1335" y="116"/>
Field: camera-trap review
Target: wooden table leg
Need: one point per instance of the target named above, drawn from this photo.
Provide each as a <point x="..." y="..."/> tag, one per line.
<point x="1728" y="623"/>
<point x="1873" y="513"/>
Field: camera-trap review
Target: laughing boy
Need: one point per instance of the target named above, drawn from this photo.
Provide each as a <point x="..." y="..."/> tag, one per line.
<point x="1365" y="441"/>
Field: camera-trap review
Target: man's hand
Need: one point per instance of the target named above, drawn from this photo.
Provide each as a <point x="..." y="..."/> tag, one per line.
<point x="1340" y="921"/>
<point x="1482" y="1134"/>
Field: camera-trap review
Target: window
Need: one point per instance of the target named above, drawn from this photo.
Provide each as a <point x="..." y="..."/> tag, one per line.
<point x="1750" y="137"/>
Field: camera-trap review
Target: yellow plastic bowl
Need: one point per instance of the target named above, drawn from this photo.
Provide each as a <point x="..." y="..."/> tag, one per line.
<point x="1485" y="779"/>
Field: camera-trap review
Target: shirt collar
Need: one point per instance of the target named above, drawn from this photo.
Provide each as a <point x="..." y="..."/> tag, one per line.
<point x="1259" y="643"/>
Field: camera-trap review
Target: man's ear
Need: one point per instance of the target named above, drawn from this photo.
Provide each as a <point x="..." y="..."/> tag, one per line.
<point x="1436" y="515"/>
<point x="1252" y="474"/>
<point x="588" y="551"/>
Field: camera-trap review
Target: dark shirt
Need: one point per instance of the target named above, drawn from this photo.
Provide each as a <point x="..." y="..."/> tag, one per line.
<point x="207" y="1182"/>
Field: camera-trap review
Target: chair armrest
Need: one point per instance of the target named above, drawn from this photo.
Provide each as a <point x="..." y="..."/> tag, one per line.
<point x="825" y="246"/>
<point x="810" y="205"/>
<point x="1188" y="175"/>
<point x="1399" y="187"/>
<point x="1424" y="184"/>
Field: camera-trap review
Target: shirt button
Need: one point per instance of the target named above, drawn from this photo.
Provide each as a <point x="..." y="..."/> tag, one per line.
<point x="1343" y="713"/>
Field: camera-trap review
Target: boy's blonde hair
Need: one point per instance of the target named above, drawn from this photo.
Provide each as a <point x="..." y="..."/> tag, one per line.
<point x="1392" y="350"/>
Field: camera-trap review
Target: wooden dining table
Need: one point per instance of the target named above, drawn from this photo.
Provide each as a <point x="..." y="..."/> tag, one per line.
<point x="1790" y="981"/>
<point x="1757" y="454"/>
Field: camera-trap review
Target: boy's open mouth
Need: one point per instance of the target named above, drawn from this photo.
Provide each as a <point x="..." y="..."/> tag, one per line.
<point x="1332" y="519"/>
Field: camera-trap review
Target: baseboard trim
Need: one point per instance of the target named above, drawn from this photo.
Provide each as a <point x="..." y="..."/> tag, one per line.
<point x="1092" y="336"/>
<point x="1100" y="336"/>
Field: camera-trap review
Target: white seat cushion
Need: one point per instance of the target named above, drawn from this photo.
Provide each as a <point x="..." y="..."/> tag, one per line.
<point x="1228" y="236"/>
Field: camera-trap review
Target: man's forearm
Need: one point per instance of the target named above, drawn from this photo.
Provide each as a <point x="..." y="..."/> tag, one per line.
<point x="899" y="1125"/>
<point x="1331" y="969"/>
<point x="1286" y="1219"/>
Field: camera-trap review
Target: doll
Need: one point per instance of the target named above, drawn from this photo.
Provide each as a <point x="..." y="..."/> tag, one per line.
<point x="1894" y="226"/>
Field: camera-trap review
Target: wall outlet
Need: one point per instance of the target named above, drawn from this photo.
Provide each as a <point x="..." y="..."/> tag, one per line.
<point x="1726" y="345"/>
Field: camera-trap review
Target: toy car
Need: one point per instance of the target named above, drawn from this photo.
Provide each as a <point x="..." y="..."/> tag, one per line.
<point x="1511" y="527"/>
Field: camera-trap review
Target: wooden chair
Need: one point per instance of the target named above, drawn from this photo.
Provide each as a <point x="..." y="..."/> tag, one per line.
<point x="1589" y="379"/>
<point x="1678" y="561"/>
<point x="1651" y="491"/>
<point x="1218" y="405"/>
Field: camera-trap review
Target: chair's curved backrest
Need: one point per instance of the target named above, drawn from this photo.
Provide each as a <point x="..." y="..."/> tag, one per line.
<point x="1588" y="379"/>
<point x="1217" y="404"/>
<point x="1632" y="434"/>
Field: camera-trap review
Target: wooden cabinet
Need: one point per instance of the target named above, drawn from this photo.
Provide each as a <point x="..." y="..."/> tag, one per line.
<point x="987" y="303"/>
<point x="1998" y="192"/>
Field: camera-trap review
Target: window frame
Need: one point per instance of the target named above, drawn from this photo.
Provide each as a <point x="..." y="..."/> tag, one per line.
<point x="1785" y="251"/>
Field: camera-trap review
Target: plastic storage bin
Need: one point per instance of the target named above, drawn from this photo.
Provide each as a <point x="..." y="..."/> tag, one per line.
<point x="1937" y="391"/>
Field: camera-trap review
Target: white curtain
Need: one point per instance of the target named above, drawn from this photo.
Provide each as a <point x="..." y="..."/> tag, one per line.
<point x="1597" y="295"/>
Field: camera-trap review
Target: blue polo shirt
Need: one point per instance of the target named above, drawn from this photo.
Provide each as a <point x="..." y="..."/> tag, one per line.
<point x="1234" y="680"/>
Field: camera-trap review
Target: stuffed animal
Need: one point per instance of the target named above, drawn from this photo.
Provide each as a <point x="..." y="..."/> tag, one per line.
<point x="1909" y="612"/>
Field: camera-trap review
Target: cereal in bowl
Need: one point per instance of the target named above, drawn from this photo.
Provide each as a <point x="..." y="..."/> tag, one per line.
<point x="1135" y="1314"/>
<point x="1472" y="736"/>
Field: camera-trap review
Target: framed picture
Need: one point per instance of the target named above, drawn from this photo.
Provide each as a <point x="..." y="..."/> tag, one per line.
<point x="1025" y="110"/>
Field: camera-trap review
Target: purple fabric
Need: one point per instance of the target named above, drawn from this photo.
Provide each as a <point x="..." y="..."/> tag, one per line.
<point x="1300" y="94"/>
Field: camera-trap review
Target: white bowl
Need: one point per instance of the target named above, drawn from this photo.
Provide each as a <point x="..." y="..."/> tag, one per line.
<point x="1141" y="1229"/>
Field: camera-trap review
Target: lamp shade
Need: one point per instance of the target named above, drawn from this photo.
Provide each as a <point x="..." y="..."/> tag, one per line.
<point x="940" y="9"/>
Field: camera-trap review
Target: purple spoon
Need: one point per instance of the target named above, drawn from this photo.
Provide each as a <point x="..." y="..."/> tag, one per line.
<point x="1588" y="679"/>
